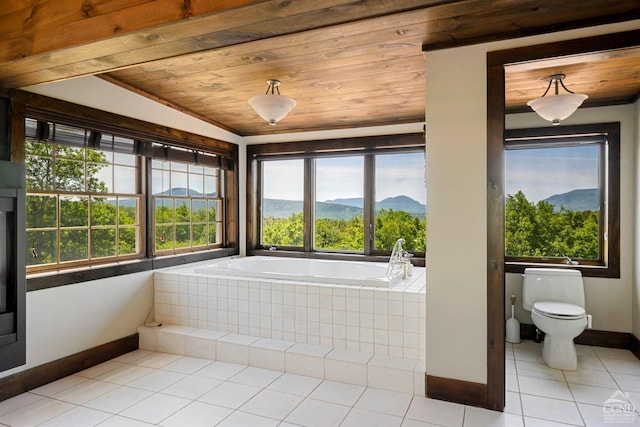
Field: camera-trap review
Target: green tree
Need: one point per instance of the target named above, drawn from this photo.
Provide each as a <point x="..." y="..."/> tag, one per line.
<point x="540" y="230"/>
<point x="183" y="224"/>
<point x="283" y="231"/>
<point x="339" y="234"/>
<point x="347" y="234"/>
<point x="391" y="225"/>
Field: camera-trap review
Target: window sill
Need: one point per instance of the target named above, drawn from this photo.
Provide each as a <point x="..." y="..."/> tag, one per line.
<point x="45" y="280"/>
<point x="610" y="272"/>
<point x="418" y="262"/>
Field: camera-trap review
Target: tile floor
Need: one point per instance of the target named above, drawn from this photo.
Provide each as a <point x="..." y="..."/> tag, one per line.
<point x="146" y="388"/>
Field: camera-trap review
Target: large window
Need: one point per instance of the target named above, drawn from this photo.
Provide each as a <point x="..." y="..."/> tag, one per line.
<point x="100" y="198"/>
<point x="187" y="206"/>
<point x="562" y="196"/>
<point x="83" y="203"/>
<point x="340" y="201"/>
<point x="282" y="203"/>
<point x="400" y="201"/>
<point x="339" y="204"/>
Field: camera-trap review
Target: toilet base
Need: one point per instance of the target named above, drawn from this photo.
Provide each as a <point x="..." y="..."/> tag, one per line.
<point x="559" y="353"/>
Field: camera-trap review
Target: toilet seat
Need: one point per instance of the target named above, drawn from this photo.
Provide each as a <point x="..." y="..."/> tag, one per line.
<point x="559" y="310"/>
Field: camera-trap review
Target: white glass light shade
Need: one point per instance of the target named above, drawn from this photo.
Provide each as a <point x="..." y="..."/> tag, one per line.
<point x="555" y="108"/>
<point x="272" y="107"/>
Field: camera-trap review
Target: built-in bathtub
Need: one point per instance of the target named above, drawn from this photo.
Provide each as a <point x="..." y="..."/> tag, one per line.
<point x="360" y="316"/>
<point x="309" y="270"/>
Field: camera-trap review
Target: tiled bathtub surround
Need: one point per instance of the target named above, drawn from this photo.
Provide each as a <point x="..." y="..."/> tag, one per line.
<point x="358" y="368"/>
<point x="389" y="322"/>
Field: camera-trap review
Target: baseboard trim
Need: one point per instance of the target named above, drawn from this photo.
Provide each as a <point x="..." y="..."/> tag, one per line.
<point x="465" y="392"/>
<point x="604" y="339"/>
<point x="635" y="346"/>
<point x="29" y="379"/>
<point x="594" y="337"/>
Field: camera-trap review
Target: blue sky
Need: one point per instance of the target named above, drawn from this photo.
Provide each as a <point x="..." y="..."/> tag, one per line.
<point x="341" y="177"/>
<point x="543" y="172"/>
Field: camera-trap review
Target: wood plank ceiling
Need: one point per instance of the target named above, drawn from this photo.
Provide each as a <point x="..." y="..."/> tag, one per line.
<point x="346" y="63"/>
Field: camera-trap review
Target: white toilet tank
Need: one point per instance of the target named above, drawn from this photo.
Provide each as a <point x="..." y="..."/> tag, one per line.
<point x="552" y="284"/>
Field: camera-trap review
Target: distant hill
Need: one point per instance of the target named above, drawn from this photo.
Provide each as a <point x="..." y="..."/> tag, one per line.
<point x="576" y="200"/>
<point x="357" y="202"/>
<point x="397" y="203"/>
<point x="340" y="208"/>
<point x="336" y="211"/>
<point x="278" y="208"/>
<point x="176" y="191"/>
<point x="181" y="191"/>
<point x="402" y="203"/>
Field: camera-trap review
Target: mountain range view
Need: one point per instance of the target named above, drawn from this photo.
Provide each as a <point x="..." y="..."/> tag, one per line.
<point x="340" y="208"/>
<point x="575" y="200"/>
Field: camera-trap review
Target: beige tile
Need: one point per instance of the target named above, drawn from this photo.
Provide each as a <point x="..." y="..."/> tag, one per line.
<point x="304" y="359"/>
<point x="78" y="416"/>
<point x="234" y="348"/>
<point x="85" y="391"/>
<point x="479" y="417"/>
<point x="627" y="382"/>
<point x="590" y="377"/>
<point x="295" y="384"/>
<point x="551" y="409"/>
<point x="546" y="388"/>
<point x="192" y="387"/>
<point x="361" y="417"/>
<point x="537" y="370"/>
<point x="436" y="411"/>
<point x="387" y="402"/>
<point x="17" y="402"/>
<point x="337" y="392"/>
<point x="272" y="404"/>
<point x="230" y="395"/>
<point x="346" y="366"/>
<point x="315" y="413"/>
<point x="591" y="395"/>
<point x="197" y="414"/>
<point x="36" y="413"/>
<point x="118" y="400"/>
<point x="622" y="366"/>
<point x="155" y="408"/>
<point x="256" y="377"/>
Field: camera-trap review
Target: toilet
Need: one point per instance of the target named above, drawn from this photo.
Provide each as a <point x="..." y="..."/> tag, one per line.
<point x="555" y="298"/>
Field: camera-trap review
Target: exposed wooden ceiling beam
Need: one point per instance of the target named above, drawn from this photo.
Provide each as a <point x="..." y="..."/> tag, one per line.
<point x="61" y="39"/>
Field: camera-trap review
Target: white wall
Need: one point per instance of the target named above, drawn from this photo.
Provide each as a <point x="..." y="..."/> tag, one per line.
<point x="456" y="224"/>
<point x="456" y="195"/>
<point x="68" y="319"/>
<point x="607" y="300"/>
<point x="97" y="93"/>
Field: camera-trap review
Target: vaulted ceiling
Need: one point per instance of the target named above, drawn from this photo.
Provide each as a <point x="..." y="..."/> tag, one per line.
<point x="346" y="63"/>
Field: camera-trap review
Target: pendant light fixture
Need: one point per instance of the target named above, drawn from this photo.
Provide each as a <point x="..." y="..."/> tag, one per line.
<point x="272" y="106"/>
<point x="559" y="106"/>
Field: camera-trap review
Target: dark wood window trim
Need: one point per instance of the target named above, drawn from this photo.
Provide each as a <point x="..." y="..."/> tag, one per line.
<point x="309" y="150"/>
<point x="42" y="281"/>
<point x="496" y="62"/>
<point x="25" y="104"/>
<point x="79" y="115"/>
<point x="609" y="264"/>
